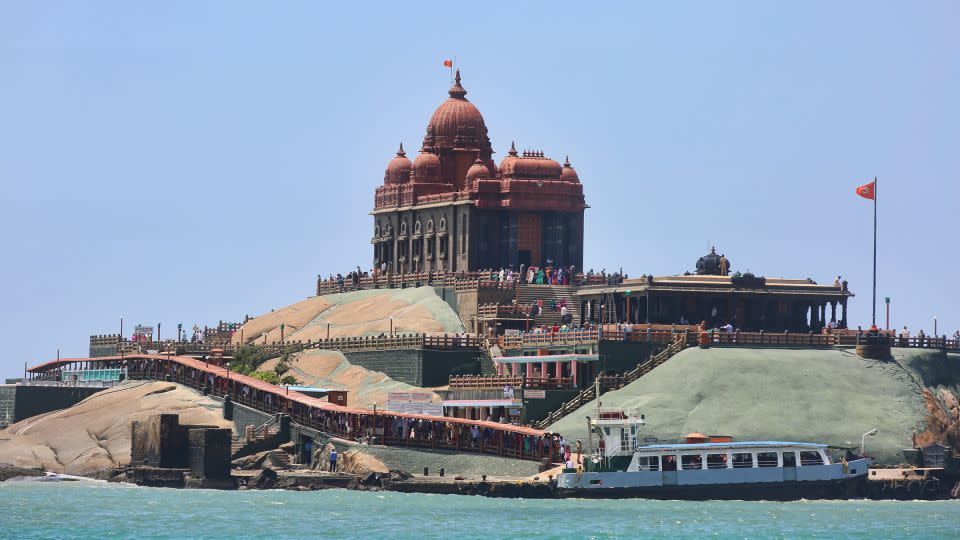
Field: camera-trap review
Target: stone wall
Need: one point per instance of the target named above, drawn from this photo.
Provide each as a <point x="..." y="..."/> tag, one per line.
<point x="418" y="367"/>
<point x="19" y="402"/>
<point x="620" y="357"/>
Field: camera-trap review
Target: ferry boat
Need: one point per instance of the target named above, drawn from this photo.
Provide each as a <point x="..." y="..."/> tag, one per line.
<point x="746" y="470"/>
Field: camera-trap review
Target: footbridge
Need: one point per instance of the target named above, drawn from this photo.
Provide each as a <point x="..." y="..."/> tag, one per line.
<point x="391" y="428"/>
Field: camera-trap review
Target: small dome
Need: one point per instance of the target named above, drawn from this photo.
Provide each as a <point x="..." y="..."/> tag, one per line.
<point x="477" y="170"/>
<point x="426" y="167"/>
<point x="398" y="170"/>
<point x="712" y="264"/>
<point x="531" y="164"/>
<point x="506" y="164"/>
<point x="568" y="174"/>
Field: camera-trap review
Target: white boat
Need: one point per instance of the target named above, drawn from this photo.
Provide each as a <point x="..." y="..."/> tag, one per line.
<point x="748" y="470"/>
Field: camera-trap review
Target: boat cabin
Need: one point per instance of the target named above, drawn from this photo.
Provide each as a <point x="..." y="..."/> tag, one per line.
<point x="730" y="455"/>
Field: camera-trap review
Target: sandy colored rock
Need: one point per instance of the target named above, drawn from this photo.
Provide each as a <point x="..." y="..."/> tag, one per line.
<point x="93" y="436"/>
<point x="294" y="316"/>
<point x="827" y="396"/>
<point x="329" y="369"/>
<point x="358" y="313"/>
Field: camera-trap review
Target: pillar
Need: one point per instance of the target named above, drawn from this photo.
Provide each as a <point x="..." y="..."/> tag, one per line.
<point x="833" y="311"/>
<point x="843" y="313"/>
<point x="559" y="370"/>
<point x="573" y="372"/>
<point x="529" y="370"/>
<point x="543" y="372"/>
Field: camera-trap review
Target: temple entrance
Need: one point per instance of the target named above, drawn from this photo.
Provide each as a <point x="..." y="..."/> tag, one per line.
<point x="524" y="258"/>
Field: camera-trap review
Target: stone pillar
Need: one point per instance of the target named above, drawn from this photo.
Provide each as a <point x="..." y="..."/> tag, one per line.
<point x="543" y="371"/>
<point x="833" y="311"/>
<point x="559" y="370"/>
<point x="529" y="370"/>
<point x="843" y="312"/>
<point x="573" y="372"/>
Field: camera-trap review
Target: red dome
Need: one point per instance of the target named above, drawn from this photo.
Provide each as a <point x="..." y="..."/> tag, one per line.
<point x="457" y="123"/>
<point x="529" y="165"/>
<point x="398" y="170"/>
<point x="569" y="174"/>
<point x="477" y="170"/>
<point x="426" y="168"/>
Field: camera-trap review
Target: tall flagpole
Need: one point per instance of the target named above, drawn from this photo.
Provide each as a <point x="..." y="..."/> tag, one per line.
<point x="874" y="322"/>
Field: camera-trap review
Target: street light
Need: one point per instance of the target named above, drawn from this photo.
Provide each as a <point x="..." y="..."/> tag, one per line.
<point x="863" y="441"/>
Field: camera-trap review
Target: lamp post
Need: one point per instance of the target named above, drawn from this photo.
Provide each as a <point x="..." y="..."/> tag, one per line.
<point x="863" y="441"/>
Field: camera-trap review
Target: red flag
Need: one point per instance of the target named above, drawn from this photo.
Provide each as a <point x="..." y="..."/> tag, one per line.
<point x="448" y="63"/>
<point x="866" y="191"/>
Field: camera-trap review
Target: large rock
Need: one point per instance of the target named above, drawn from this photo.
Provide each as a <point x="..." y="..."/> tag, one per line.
<point x="358" y="313"/>
<point x="93" y="436"/>
<point x="828" y="396"/>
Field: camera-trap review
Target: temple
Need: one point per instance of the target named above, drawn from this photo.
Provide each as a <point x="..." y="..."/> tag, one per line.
<point x="712" y="295"/>
<point x="452" y="208"/>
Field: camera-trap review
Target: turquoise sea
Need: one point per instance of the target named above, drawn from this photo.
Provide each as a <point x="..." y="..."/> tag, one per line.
<point x="97" y="510"/>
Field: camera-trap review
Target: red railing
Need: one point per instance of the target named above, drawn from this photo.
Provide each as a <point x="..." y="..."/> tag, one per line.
<point x="398" y="429"/>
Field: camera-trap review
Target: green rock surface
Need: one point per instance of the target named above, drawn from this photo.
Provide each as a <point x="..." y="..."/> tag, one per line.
<point x="828" y="396"/>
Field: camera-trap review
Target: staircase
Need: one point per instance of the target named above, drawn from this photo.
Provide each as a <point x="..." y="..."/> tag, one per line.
<point x="551" y="295"/>
<point x="267" y="430"/>
<point x="614" y="383"/>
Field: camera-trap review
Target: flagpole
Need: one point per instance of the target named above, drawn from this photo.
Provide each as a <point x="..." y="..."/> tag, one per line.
<point x="874" y="322"/>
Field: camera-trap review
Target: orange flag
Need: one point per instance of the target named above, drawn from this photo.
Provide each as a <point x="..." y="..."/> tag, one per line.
<point x="448" y="63"/>
<point x="866" y="191"/>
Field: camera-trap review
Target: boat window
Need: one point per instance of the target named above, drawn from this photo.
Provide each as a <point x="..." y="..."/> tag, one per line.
<point x="766" y="459"/>
<point x="669" y="463"/>
<point x="691" y="461"/>
<point x="742" y="460"/>
<point x="810" y="458"/>
<point x="716" y="461"/>
<point x="789" y="459"/>
<point x="649" y="463"/>
<point x="625" y="441"/>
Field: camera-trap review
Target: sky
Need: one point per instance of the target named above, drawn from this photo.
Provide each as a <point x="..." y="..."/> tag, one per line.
<point x="190" y="162"/>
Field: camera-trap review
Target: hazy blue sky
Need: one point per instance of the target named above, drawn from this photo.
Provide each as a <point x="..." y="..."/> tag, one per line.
<point x="195" y="161"/>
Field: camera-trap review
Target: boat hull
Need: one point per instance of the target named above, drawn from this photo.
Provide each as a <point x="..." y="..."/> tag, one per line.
<point x="846" y="488"/>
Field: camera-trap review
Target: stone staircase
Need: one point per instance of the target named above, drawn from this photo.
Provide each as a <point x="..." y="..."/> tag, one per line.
<point x="551" y="295"/>
<point x="613" y="383"/>
<point x="254" y="436"/>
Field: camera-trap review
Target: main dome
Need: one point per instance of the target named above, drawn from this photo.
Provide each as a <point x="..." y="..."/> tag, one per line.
<point x="457" y="123"/>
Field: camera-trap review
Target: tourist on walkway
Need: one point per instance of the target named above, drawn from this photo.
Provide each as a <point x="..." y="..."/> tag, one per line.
<point x="333" y="460"/>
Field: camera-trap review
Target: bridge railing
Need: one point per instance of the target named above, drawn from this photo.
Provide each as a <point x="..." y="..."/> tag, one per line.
<point x="390" y="428"/>
<point x="358" y="343"/>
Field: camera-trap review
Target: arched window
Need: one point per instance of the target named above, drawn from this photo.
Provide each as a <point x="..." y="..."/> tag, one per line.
<point x="403" y="228"/>
<point x="416" y="228"/>
<point x="430" y="226"/>
<point x="443" y="224"/>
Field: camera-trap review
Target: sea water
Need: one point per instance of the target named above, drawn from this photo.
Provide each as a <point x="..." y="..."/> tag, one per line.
<point x="90" y="509"/>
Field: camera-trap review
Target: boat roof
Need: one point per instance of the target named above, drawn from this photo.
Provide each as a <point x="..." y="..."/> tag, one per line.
<point x="734" y="444"/>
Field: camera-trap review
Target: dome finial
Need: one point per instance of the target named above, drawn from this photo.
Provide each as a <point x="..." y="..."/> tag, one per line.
<point x="400" y="152"/>
<point x="457" y="91"/>
<point x="513" y="149"/>
<point x="566" y="161"/>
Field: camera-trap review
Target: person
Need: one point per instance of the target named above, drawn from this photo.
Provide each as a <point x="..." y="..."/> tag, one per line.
<point x="728" y="328"/>
<point x="333" y="460"/>
<point x="837" y="282"/>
